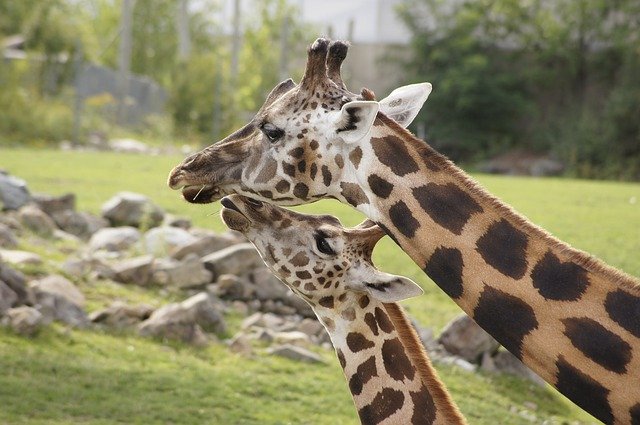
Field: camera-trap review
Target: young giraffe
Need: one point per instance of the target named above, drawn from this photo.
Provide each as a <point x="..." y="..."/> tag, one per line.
<point x="389" y="374"/>
<point x="569" y="317"/>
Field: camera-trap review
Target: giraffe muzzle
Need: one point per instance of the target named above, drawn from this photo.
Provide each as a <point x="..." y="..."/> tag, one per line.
<point x="233" y="217"/>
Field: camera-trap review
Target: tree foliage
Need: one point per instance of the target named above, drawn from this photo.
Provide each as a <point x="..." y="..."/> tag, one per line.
<point x="204" y="97"/>
<point x="542" y="75"/>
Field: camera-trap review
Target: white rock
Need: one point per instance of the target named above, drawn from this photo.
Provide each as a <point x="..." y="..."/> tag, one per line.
<point x="132" y="209"/>
<point x="20" y="258"/>
<point x="463" y="337"/>
<point x="236" y="259"/>
<point x="36" y="220"/>
<point x="137" y="271"/>
<point x="7" y="298"/>
<point x="59" y="285"/>
<point x="160" y="241"/>
<point x="295" y="353"/>
<point x="128" y="146"/>
<point x="114" y="238"/>
<point x="13" y="192"/>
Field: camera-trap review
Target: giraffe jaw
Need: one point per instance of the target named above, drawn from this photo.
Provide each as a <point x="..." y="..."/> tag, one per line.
<point x="201" y="194"/>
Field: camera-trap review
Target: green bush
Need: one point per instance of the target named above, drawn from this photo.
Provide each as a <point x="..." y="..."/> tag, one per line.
<point x="28" y="116"/>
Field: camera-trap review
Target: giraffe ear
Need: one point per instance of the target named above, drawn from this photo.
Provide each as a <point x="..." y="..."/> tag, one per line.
<point x="390" y="288"/>
<point x="404" y="103"/>
<point x="355" y="119"/>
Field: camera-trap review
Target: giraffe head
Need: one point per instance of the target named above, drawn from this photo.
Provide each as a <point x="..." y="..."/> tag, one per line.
<point x="300" y="143"/>
<point x="319" y="259"/>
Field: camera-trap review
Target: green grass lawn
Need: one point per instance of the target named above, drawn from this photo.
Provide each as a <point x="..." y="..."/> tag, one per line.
<point x="75" y="376"/>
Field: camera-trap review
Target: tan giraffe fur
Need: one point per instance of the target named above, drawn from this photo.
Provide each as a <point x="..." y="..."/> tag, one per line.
<point x="388" y="372"/>
<point x="568" y="316"/>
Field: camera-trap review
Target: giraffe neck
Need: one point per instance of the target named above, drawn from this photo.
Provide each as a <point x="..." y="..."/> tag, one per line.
<point x="569" y="317"/>
<point x="388" y="372"/>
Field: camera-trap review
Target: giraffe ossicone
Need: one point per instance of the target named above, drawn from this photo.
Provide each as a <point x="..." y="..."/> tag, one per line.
<point x="568" y="316"/>
<point x="388" y="372"/>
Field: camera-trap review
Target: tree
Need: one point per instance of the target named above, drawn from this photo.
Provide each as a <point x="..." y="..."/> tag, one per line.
<point x="546" y="75"/>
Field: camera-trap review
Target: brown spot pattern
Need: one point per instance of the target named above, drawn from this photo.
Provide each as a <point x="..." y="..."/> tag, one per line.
<point x="379" y="186"/>
<point x="383" y="321"/>
<point x="289" y="169"/>
<point x="300" y="190"/>
<point x="355" y="156"/>
<point x="598" y="343"/>
<point x="507" y="318"/>
<point x="559" y="281"/>
<point x="504" y="247"/>
<point x="385" y="403"/>
<point x="447" y="205"/>
<point x="326" y="302"/>
<point x="392" y="152"/>
<point x="424" y="409"/>
<point x="353" y="194"/>
<point x="283" y="186"/>
<point x="370" y="320"/>
<point x="364" y="373"/>
<point x="326" y="175"/>
<point x="300" y="259"/>
<point x="358" y="342"/>
<point x="403" y="219"/>
<point x="395" y="360"/>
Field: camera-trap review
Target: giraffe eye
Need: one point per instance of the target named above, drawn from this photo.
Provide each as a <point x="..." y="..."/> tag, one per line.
<point x="272" y="132"/>
<point x="322" y="244"/>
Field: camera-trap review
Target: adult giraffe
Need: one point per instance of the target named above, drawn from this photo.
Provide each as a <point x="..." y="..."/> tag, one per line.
<point x="569" y="317"/>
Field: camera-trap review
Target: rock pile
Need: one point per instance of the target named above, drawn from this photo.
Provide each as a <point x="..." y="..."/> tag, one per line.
<point x="207" y="276"/>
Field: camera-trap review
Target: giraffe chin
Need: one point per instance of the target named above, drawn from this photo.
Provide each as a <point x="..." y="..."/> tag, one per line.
<point x="235" y="220"/>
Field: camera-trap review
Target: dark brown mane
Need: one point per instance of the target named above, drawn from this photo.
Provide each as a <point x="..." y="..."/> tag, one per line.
<point x="419" y="358"/>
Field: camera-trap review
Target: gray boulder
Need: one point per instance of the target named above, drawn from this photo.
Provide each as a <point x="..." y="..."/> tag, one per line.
<point x="185" y="321"/>
<point x="36" y="220"/>
<point x="13" y="192"/>
<point x="17" y="281"/>
<point x="52" y="205"/>
<point x="174" y="221"/>
<point x="205" y="245"/>
<point x="241" y="344"/>
<point x="132" y="209"/>
<point x="137" y="271"/>
<point x="114" y="239"/>
<point x="80" y="224"/>
<point x="120" y="315"/>
<point x="8" y="298"/>
<point x="92" y="268"/>
<point x="464" y="338"/>
<point x="160" y="241"/>
<point x="20" y="258"/>
<point x="189" y="273"/>
<point x="232" y="287"/>
<point x="505" y="362"/>
<point x="60" y="286"/>
<point x="24" y="320"/>
<point x="295" y="353"/>
<point x="58" y="299"/>
<point x="236" y="259"/>
<point x="7" y="237"/>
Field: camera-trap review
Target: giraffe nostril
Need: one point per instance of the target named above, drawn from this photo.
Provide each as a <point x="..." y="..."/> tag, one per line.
<point x="253" y="202"/>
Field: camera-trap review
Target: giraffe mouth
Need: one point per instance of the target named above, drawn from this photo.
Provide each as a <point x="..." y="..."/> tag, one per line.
<point x="201" y="194"/>
<point x="233" y="217"/>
